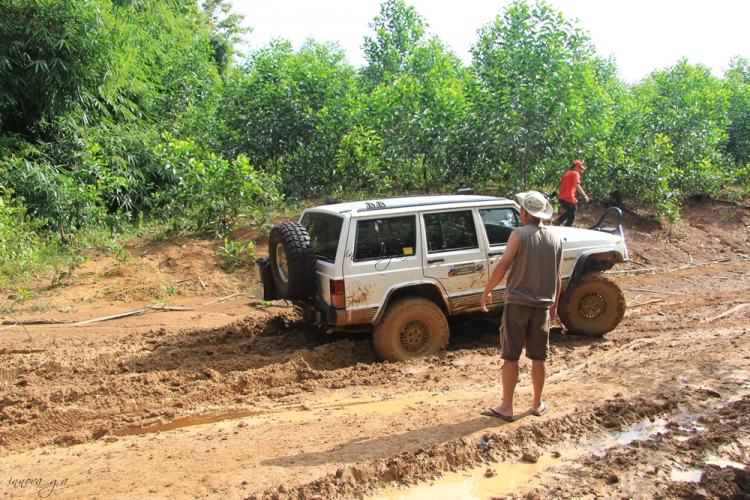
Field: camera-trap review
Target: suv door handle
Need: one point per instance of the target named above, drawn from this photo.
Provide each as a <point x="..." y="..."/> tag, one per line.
<point x="435" y="261"/>
<point x="494" y="254"/>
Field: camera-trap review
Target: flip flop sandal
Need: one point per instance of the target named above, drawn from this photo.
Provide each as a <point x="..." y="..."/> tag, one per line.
<point x="541" y="411"/>
<point x="489" y="412"/>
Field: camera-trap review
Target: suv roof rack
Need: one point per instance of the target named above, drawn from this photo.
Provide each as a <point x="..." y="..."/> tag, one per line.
<point x="380" y="205"/>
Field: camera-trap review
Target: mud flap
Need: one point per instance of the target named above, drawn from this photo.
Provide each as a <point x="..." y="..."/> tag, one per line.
<point x="267" y="287"/>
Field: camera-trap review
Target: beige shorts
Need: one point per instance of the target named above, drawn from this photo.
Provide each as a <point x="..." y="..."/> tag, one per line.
<point x="524" y="325"/>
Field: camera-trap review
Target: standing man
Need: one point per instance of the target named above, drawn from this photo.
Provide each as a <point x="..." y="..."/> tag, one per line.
<point x="570" y="183"/>
<point x="532" y="260"/>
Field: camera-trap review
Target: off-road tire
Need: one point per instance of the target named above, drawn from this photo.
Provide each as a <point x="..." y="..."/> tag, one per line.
<point x="596" y="306"/>
<point x="411" y="327"/>
<point x="292" y="261"/>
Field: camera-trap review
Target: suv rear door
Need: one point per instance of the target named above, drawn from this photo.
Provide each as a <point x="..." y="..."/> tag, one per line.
<point x="455" y="255"/>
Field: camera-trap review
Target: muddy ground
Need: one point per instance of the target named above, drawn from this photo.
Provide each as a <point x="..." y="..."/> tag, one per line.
<point x="232" y="400"/>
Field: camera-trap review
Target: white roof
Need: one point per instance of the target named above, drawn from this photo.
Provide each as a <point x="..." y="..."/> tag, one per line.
<point x="407" y="204"/>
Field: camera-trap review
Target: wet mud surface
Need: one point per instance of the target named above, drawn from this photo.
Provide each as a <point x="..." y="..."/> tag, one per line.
<point x="234" y="401"/>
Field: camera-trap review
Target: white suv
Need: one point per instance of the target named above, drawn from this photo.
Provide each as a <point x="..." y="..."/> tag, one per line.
<point x="398" y="266"/>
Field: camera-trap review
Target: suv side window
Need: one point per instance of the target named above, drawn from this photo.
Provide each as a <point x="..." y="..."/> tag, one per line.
<point x="499" y="224"/>
<point x="450" y="231"/>
<point x="324" y="231"/>
<point x="385" y="237"/>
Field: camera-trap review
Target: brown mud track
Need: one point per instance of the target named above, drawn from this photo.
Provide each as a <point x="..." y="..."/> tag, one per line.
<point x="231" y="401"/>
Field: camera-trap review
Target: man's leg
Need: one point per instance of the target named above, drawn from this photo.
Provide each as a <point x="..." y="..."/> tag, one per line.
<point x="564" y="217"/>
<point x="538" y="374"/>
<point x="570" y="213"/>
<point x="512" y="338"/>
<point x="537" y="349"/>
<point x="510" y="380"/>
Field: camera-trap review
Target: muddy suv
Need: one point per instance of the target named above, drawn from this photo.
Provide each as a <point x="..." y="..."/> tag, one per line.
<point x="399" y="266"/>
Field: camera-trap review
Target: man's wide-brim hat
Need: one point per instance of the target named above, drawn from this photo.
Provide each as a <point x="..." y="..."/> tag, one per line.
<point x="536" y="204"/>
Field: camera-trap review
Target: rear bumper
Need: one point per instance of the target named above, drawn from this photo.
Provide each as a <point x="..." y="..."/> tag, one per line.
<point x="315" y="311"/>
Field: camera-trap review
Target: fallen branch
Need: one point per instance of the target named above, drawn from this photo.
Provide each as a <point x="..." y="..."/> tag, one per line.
<point x="182" y="281"/>
<point x="637" y="304"/>
<point x="224" y="298"/>
<point x="729" y="312"/>
<point x="632" y="271"/>
<point x="652" y="291"/>
<point x="201" y="282"/>
<point x="18" y="323"/>
<point x="37" y="322"/>
<point x="133" y="313"/>
<point x="106" y="318"/>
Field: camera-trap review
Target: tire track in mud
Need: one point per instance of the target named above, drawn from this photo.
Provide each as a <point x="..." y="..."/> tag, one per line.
<point x="159" y="377"/>
<point x="577" y="430"/>
<point x="155" y="378"/>
<point x="264" y="363"/>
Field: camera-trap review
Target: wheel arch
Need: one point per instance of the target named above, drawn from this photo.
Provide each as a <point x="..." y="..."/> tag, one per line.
<point x="427" y="290"/>
<point x="591" y="260"/>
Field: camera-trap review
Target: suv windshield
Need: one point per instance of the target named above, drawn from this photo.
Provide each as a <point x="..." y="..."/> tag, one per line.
<point x="324" y="231"/>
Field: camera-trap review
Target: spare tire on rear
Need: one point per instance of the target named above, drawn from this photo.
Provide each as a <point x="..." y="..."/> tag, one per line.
<point x="292" y="261"/>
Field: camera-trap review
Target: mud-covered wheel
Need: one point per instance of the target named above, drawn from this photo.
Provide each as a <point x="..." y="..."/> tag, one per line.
<point x="292" y="261"/>
<point x="412" y="327"/>
<point x="596" y="306"/>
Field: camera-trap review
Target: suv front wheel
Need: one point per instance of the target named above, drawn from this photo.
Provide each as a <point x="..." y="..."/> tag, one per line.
<point x="596" y="306"/>
<point x="412" y="327"/>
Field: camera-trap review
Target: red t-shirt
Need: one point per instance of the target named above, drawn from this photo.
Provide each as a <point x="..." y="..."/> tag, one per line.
<point x="568" y="186"/>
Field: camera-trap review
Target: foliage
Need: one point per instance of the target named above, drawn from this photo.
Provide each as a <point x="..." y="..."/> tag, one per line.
<point x="235" y="253"/>
<point x="213" y="192"/>
<point x="58" y="275"/>
<point x="116" y="115"/>
<point x="688" y="105"/>
<point x="738" y="82"/>
<point x="287" y="112"/>
<point x="18" y="240"/>
<point x="119" y="251"/>
<point x="399" y="30"/>
<point x="537" y="83"/>
<point x="51" y="59"/>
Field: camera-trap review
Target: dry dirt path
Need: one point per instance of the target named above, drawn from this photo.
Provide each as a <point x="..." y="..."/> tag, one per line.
<point x="229" y="401"/>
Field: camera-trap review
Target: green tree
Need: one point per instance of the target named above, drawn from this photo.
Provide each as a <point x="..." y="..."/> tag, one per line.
<point x="226" y="33"/>
<point x="52" y="59"/>
<point x="688" y="105"/>
<point x="537" y="80"/>
<point x="288" y="111"/>
<point x="399" y="29"/>
<point x="413" y="86"/>
<point x="738" y="81"/>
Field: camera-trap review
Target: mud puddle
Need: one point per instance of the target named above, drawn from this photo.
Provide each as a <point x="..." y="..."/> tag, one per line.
<point x="480" y="483"/>
<point x="508" y="478"/>
<point x="333" y="406"/>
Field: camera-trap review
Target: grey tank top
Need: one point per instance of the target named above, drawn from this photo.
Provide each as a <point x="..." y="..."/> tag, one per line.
<point x="532" y="277"/>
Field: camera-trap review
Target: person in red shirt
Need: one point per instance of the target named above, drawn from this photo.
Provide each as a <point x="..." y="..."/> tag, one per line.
<point x="570" y="183"/>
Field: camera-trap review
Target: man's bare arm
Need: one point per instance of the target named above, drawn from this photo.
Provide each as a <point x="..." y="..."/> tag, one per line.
<point x="553" y="309"/>
<point x="511" y="250"/>
<point x="580" y="190"/>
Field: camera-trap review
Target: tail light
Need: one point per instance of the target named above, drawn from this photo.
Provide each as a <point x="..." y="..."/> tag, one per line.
<point x="338" y="297"/>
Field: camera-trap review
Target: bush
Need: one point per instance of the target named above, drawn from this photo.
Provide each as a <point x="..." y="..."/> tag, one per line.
<point x="18" y="240"/>
<point x="213" y="193"/>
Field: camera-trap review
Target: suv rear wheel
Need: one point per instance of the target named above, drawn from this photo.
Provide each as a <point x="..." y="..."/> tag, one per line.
<point x="292" y="261"/>
<point x="412" y="327"/>
<point x="596" y="306"/>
